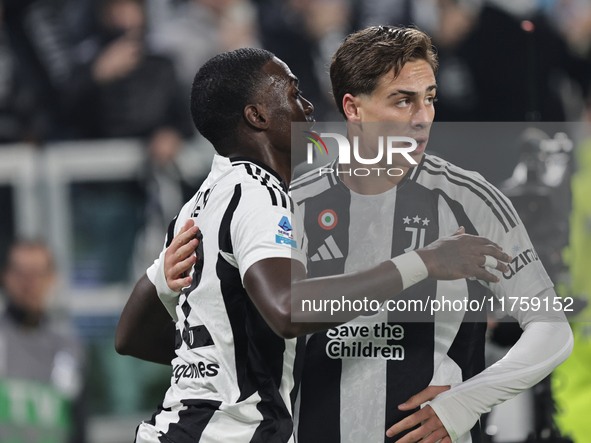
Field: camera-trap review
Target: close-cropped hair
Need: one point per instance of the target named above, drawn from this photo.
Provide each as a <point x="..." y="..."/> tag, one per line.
<point x="365" y="56"/>
<point x="222" y="88"/>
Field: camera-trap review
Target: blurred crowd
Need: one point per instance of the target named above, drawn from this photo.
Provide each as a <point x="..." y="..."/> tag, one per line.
<point x="42" y="362"/>
<point x="78" y="69"/>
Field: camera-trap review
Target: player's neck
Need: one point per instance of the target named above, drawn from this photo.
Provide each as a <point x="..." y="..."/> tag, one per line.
<point x="257" y="146"/>
<point x="279" y="164"/>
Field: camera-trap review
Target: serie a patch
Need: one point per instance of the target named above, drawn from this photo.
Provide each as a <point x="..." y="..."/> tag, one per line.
<point x="284" y="235"/>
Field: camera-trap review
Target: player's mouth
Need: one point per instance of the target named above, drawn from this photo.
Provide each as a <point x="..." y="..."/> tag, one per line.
<point x="421" y="144"/>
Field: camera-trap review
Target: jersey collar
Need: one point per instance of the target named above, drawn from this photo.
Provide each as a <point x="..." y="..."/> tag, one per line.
<point x="241" y="159"/>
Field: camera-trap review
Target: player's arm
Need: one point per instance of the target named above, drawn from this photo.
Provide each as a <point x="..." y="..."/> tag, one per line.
<point x="545" y="343"/>
<point x="278" y="286"/>
<point x="146" y="327"/>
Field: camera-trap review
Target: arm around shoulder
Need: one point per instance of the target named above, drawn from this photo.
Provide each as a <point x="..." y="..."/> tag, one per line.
<point x="278" y="286"/>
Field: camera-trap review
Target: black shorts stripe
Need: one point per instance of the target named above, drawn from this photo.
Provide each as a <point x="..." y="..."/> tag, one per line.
<point x="490" y="190"/>
<point x="489" y="203"/>
<point x="159" y="409"/>
<point x="192" y="421"/>
<point x="152" y="420"/>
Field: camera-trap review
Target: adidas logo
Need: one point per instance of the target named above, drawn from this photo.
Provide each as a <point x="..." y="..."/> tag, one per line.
<point x="327" y="251"/>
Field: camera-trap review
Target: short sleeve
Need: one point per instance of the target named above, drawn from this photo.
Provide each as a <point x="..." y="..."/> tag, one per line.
<point x="261" y="230"/>
<point x="526" y="275"/>
<point x="499" y="222"/>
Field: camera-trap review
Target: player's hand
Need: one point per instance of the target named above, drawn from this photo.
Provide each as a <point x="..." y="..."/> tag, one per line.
<point x="463" y="256"/>
<point x="180" y="256"/>
<point x="431" y="429"/>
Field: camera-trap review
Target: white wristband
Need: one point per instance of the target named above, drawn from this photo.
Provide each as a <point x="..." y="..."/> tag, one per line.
<point x="411" y="267"/>
<point x="167" y="296"/>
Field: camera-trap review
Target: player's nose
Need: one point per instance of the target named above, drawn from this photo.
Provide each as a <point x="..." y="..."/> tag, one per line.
<point x="421" y="118"/>
<point x="308" y="106"/>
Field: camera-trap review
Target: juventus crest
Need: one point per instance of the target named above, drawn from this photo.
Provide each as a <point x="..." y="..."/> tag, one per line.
<point x="417" y="228"/>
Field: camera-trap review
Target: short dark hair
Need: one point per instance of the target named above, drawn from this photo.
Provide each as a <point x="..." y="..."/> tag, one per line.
<point x="221" y="90"/>
<point x="366" y="55"/>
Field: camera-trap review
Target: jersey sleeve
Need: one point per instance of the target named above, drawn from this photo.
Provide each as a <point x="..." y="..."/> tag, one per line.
<point x="540" y="349"/>
<point x="494" y="217"/>
<point x="546" y="340"/>
<point x="261" y="229"/>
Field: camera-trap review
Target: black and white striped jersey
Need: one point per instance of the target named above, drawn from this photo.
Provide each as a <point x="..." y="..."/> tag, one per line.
<point x="232" y="376"/>
<point x="349" y="391"/>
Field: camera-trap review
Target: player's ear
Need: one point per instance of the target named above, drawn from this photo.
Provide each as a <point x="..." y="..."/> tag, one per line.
<point x="255" y="116"/>
<point x="351" y="108"/>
